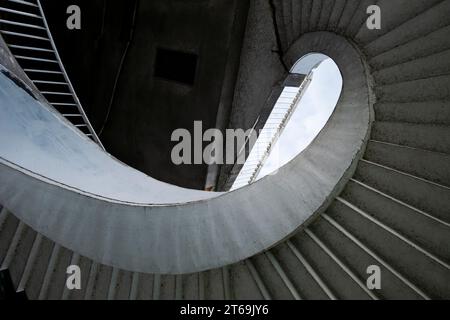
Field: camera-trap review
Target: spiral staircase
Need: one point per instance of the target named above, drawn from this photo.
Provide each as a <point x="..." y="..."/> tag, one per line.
<point x="394" y="212"/>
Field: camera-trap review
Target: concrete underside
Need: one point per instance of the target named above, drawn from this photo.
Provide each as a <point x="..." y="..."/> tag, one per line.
<point x="114" y="217"/>
<point x="394" y="211"/>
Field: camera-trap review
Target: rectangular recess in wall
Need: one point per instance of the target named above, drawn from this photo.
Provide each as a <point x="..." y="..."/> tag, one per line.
<point x="175" y="66"/>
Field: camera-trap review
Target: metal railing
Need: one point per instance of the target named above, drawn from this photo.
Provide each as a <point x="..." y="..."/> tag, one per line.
<point x="270" y="133"/>
<point x="26" y="32"/>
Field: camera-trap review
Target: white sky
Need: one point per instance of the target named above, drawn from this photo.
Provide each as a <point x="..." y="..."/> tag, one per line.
<point x="311" y="115"/>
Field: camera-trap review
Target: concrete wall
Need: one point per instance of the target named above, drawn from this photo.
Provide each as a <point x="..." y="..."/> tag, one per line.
<point x="260" y="70"/>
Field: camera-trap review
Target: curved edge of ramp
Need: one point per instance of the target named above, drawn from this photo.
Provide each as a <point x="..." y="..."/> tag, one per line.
<point x="191" y="236"/>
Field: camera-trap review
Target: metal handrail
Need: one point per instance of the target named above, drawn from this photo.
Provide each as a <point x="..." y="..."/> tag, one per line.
<point x="63" y="70"/>
<point x="250" y="171"/>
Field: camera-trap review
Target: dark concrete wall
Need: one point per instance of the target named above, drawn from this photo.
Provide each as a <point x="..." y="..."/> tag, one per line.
<point x="143" y="111"/>
<point x="92" y="55"/>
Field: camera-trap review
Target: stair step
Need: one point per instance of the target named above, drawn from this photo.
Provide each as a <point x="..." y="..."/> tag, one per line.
<point x="358" y="257"/>
<point x="39" y="268"/>
<point x="57" y="276"/>
<point x="226" y="277"/>
<point x="424" y="89"/>
<point x="432" y="19"/>
<point x="314" y="17"/>
<point x="359" y="18"/>
<point x="271" y="278"/>
<point x="187" y="287"/>
<point x="296" y="13"/>
<point x="113" y="284"/>
<point x="434" y="65"/>
<point x="406" y="258"/>
<point x="18" y="252"/>
<point x="325" y="13"/>
<point x="394" y="15"/>
<point x="336" y="13"/>
<point x="286" y="16"/>
<point x="306" y="13"/>
<point x="85" y="265"/>
<point x="31" y="261"/>
<point x="75" y="261"/>
<point x="434" y="138"/>
<point x="166" y="288"/>
<point x="266" y="295"/>
<point x="283" y="275"/>
<point x="304" y="278"/>
<point x="214" y="284"/>
<point x="7" y="230"/>
<point x="145" y="287"/>
<point x="427" y="45"/>
<point x="336" y="277"/>
<point x="419" y="226"/>
<point x="419" y="193"/>
<point x="243" y="283"/>
<point x="3" y="215"/>
<point x="134" y="287"/>
<point x="347" y="15"/>
<point x="429" y="112"/>
<point x="428" y="165"/>
<point x="101" y="283"/>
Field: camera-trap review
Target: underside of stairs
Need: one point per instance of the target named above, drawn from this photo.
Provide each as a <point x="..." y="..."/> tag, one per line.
<point x="393" y="213"/>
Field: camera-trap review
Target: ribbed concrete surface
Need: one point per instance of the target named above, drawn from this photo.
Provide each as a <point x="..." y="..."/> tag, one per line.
<point x="84" y="200"/>
<point x="394" y="213"/>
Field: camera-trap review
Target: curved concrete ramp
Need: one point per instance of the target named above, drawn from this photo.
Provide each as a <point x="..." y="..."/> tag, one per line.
<point x="64" y="186"/>
<point x="40" y="140"/>
<point x="393" y="213"/>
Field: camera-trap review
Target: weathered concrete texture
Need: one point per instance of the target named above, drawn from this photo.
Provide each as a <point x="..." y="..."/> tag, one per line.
<point x="418" y="162"/>
<point x="138" y="235"/>
<point x="260" y="69"/>
<point x="325" y="13"/>
<point x="393" y="212"/>
<point x="335" y="16"/>
<point x="395" y="13"/>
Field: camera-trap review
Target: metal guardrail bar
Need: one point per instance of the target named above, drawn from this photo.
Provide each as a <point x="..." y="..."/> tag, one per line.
<point x="270" y="133"/>
<point x="71" y="89"/>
